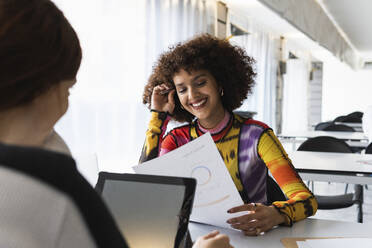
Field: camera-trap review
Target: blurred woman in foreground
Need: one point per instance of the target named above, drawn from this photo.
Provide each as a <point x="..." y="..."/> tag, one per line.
<point x="40" y="56"/>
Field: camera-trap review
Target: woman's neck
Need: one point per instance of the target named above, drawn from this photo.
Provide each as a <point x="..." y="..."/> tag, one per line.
<point x="219" y="127"/>
<point x="20" y="126"/>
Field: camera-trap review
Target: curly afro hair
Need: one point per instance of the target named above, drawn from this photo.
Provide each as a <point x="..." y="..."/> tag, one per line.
<point x="229" y="65"/>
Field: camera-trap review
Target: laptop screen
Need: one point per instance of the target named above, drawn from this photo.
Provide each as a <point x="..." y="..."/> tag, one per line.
<point x="147" y="208"/>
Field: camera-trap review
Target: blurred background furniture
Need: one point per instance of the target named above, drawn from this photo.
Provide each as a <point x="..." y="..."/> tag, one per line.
<point x="369" y="149"/>
<point x="338" y="127"/>
<point x="354" y="117"/>
<point x="331" y="144"/>
<point x="321" y="125"/>
<point x="246" y="114"/>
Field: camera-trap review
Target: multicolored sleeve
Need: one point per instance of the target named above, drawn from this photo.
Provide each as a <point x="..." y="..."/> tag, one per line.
<point x="301" y="202"/>
<point x="154" y="135"/>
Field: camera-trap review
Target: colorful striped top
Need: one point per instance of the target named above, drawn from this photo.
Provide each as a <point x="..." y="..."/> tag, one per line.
<point x="249" y="149"/>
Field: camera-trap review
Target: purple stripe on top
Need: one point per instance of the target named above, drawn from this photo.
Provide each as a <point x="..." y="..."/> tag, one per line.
<point x="253" y="170"/>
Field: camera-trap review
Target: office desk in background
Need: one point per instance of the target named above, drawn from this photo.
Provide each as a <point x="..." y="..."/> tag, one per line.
<point x="355" y="136"/>
<point x="355" y="139"/>
<point x="306" y="228"/>
<point x="352" y="168"/>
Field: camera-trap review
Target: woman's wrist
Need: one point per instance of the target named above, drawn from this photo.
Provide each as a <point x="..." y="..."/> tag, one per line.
<point x="161" y="112"/>
<point x="279" y="217"/>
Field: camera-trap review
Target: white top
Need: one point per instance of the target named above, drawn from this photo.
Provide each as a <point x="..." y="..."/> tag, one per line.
<point x="306" y="228"/>
<point x="54" y="142"/>
<point x="33" y="214"/>
<point x="332" y="161"/>
<point x="339" y="135"/>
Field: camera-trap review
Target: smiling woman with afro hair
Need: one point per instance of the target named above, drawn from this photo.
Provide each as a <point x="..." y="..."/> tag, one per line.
<point x="201" y="81"/>
<point x="229" y="65"/>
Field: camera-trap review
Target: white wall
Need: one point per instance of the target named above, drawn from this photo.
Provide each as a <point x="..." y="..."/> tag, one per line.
<point x="344" y="90"/>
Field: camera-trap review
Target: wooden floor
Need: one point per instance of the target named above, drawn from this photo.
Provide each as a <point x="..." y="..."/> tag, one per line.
<point x="345" y="214"/>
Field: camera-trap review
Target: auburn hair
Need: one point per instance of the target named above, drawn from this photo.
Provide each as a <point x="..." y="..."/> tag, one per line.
<point x="38" y="49"/>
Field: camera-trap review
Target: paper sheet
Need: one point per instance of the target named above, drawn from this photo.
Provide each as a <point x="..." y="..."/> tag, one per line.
<point x="215" y="191"/>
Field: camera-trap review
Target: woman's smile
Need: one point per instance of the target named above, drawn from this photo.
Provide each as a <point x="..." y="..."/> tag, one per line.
<point x="197" y="105"/>
<point x="199" y="94"/>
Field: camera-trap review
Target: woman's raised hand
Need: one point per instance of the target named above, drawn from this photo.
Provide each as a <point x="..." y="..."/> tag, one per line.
<point x="213" y="240"/>
<point x="260" y="219"/>
<point x="162" y="98"/>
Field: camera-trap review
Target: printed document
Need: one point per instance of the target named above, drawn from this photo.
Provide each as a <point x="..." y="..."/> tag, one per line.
<point x="215" y="191"/>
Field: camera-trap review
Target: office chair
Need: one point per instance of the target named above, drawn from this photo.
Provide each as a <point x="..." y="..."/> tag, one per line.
<point x="339" y="118"/>
<point x="45" y="202"/>
<point x="343" y="128"/>
<point x="245" y="114"/>
<point x="354" y="117"/>
<point x="369" y="149"/>
<point x="274" y="192"/>
<point x="321" y="125"/>
<point x="338" y="127"/>
<point x="331" y="144"/>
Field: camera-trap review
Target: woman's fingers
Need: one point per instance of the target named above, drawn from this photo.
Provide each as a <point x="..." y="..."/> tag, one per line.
<point x="260" y="219"/>
<point x="245" y="207"/>
<point x="211" y="234"/>
<point x="162" y="89"/>
<point x="253" y="223"/>
<point x="163" y="98"/>
<point x="245" y="226"/>
<point x="247" y="218"/>
<point x="253" y="232"/>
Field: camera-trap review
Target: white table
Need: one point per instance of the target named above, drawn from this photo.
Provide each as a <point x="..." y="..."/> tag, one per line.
<point x="352" y="168"/>
<point x="356" y="139"/>
<point x="305" y="228"/>
<point x="355" y="136"/>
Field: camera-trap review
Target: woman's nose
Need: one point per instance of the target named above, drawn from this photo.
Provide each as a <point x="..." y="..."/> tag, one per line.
<point x="192" y="93"/>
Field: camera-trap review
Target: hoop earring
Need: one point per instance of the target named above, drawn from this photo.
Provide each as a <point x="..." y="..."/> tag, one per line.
<point x="222" y="92"/>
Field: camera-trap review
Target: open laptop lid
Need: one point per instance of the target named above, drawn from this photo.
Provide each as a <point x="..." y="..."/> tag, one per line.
<point x="151" y="211"/>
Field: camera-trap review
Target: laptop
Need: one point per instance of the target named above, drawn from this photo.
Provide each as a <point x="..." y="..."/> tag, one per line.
<point x="150" y="211"/>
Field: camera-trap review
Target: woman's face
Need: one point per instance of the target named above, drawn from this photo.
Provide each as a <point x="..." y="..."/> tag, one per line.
<point x="54" y="103"/>
<point x="64" y="93"/>
<point x="200" y="95"/>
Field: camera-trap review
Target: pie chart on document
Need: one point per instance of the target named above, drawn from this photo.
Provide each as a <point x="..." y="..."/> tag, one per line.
<point x="205" y="185"/>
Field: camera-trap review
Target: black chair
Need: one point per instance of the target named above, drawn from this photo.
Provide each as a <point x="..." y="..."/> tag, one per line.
<point x="369" y="149"/>
<point x="354" y="117"/>
<point x="321" y="125"/>
<point x="274" y="192"/>
<point x="343" y="128"/>
<point x="331" y="144"/>
<point x="338" y="127"/>
<point x="246" y="114"/>
<point x="325" y="144"/>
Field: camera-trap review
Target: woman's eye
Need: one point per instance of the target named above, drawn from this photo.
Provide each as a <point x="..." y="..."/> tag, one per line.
<point x="181" y="91"/>
<point x="201" y="83"/>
